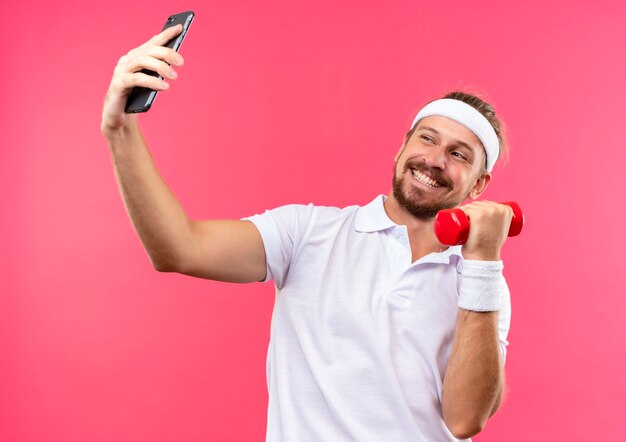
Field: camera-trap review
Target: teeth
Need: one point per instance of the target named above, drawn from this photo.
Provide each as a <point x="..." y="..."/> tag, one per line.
<point x="424" y="179"/>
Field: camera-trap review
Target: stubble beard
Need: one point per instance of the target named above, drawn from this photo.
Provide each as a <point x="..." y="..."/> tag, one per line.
<point x="414" y="200"/>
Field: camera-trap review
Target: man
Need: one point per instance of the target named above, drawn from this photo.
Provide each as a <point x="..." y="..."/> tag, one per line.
<point x="379" y="333"/>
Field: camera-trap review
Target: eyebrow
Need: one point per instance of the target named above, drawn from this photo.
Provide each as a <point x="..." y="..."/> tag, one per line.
<point x="456" y="142"/>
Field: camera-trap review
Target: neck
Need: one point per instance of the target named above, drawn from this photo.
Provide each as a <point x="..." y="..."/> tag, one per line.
<point x="421" y="231"/>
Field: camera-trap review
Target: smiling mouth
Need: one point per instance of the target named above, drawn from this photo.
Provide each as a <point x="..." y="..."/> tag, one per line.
<point x="426" y="180"/>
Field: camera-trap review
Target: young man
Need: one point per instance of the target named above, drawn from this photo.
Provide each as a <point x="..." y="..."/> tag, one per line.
<point x="379" y="333"/>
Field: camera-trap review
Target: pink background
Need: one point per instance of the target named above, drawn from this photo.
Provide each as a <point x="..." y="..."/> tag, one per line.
<point x="295" y="102"/>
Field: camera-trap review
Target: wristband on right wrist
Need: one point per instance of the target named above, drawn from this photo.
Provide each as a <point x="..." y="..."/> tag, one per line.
<point x="480" y="285"/>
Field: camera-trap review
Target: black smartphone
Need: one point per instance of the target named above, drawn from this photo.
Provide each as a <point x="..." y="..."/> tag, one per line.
<point x="141" y="98"/>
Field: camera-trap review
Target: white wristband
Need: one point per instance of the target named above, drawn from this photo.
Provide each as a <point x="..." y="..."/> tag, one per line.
<point x="480" y="285"/>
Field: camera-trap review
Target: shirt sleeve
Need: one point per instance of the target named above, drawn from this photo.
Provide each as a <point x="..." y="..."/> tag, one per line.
<point x="504" y="319"/>
<point x="282" y="230"/>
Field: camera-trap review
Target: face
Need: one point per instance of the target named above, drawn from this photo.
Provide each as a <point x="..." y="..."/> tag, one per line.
<point x="439" y="167"/>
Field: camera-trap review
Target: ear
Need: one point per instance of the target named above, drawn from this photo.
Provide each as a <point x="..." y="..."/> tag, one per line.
<point x="480" y="185"/>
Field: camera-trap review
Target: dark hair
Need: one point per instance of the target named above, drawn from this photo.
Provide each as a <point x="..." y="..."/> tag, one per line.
<point x="486" y="110"/>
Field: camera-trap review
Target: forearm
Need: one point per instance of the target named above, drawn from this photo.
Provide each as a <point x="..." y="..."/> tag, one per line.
<point x="213" y="249"/>
<point x="473" y="382"/>
<point x="157" y="216"/>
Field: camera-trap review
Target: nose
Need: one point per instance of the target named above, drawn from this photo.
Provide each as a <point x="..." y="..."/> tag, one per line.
<point x="436" y="157"/>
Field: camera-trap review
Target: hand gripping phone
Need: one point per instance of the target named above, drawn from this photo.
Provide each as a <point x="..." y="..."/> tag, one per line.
<point x="141" y="98"/>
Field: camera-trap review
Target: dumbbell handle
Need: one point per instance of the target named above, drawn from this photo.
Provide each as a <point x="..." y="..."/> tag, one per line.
<point x="452" y="226"/>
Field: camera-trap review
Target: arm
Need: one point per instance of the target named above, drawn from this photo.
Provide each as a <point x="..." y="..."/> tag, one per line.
<point x="474" y="380"/>
<point x="222" y="250"/>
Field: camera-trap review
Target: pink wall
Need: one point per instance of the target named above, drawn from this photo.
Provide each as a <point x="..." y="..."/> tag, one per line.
<point x="282" y="102"/>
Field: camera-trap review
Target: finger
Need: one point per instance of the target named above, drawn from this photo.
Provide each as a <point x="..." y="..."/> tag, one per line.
<point x="124" y="83"/>
<point x="155" y="58"/>
<point x="170" y="56"/>
<point x="482" y="203"/>
<point x="147" y="62"/>
<point x="474" y="209"/>
<point x="489" y="212"/>
<point x="144" y="80"/>
<point x="166" y="54"/>
<point x="164" y="36"/>
<point x="483" y="206"/>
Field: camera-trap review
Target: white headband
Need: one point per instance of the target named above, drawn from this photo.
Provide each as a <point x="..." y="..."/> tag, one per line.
<point x="469" y="117"/>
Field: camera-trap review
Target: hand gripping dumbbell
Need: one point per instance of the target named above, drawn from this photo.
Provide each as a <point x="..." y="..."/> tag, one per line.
<point x="452" y="226"/>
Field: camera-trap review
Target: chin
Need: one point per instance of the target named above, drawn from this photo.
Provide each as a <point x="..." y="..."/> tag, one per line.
<point x="418" y="202"/>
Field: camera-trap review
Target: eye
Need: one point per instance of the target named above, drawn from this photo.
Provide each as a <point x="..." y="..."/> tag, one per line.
<point x="427" y="138"/>
<point x="459" y="155"/>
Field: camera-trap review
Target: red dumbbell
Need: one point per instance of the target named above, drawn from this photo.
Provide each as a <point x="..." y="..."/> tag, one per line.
<point x="452" y="226"/>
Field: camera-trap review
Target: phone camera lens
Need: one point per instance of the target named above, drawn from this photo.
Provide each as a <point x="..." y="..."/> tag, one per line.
<point x="170" y="20"/>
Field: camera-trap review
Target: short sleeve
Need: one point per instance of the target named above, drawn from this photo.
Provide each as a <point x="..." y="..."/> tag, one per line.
<point x="504" y="319"/>
<point x="282" y="230"/>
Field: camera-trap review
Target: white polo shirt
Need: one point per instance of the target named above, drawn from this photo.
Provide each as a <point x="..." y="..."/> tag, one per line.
<point x="360" y="336"/>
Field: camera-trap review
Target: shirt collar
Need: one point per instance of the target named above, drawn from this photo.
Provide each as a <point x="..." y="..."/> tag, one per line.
<point x="373" y="218"/>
